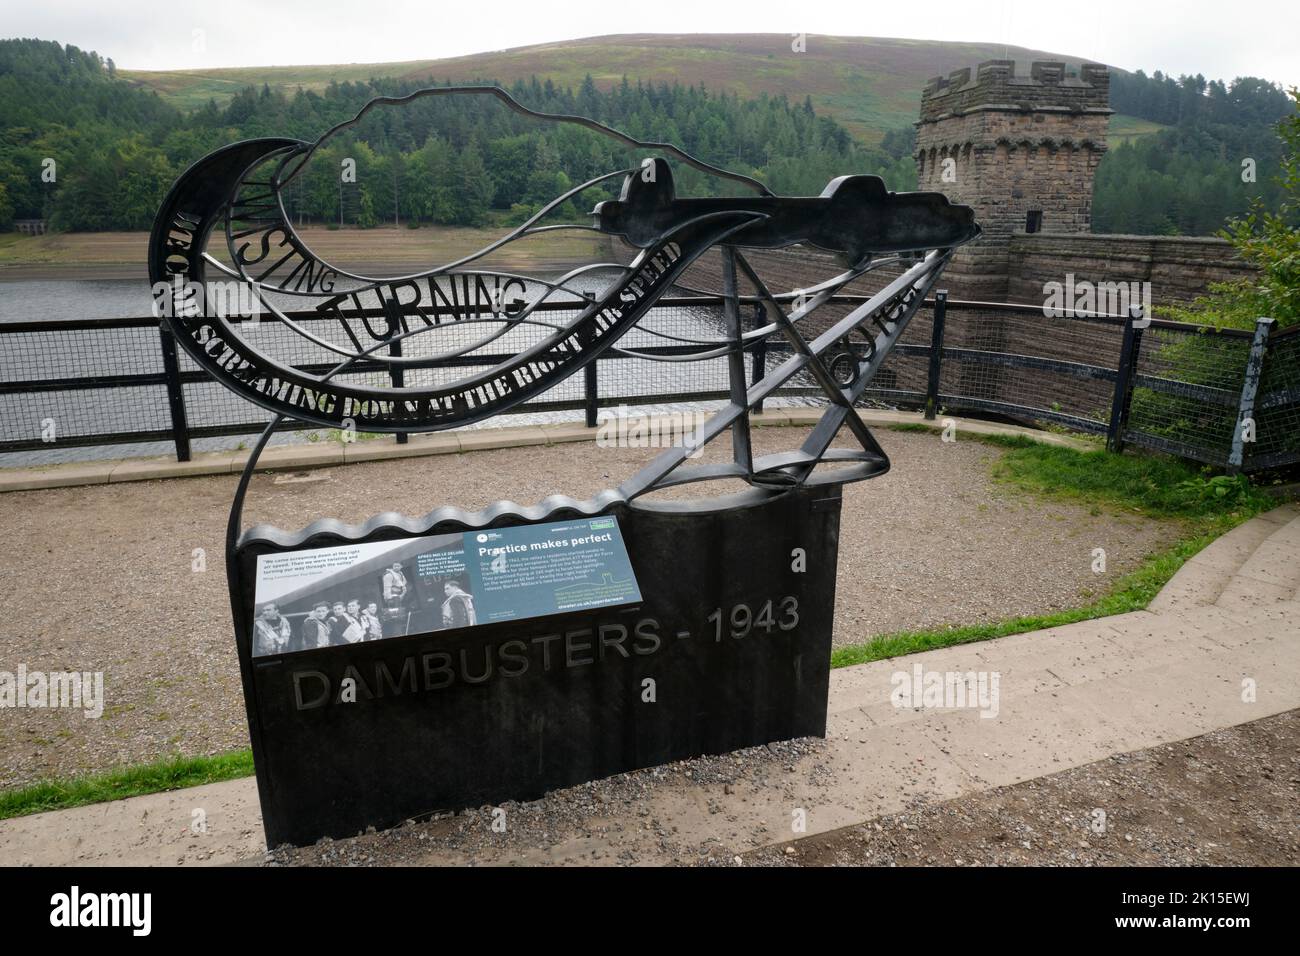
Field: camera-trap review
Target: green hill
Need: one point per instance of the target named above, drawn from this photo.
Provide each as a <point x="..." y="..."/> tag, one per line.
<point x="746" y="102"/>
<point x="869" y="85"/>
<point x="1127" y="129"/>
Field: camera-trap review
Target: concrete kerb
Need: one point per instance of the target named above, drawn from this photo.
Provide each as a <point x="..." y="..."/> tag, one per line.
<point x="332" y="453"/>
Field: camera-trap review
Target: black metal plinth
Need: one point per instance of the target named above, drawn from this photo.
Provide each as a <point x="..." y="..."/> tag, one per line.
<point x="730" y="648"/>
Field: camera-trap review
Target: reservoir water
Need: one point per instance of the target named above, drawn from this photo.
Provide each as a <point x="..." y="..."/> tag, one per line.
<point x="70" y="354"/>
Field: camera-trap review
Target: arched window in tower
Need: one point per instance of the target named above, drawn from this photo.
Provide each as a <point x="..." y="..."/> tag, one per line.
<point x="1034" y="221"/>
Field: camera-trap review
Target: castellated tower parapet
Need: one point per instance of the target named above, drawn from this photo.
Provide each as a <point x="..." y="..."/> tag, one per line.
<point x="1022" y="150"/>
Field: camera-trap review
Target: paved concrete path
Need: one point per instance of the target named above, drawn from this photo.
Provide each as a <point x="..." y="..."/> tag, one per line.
<point x="330" y="453"/>
<point x="1068" y="696"/>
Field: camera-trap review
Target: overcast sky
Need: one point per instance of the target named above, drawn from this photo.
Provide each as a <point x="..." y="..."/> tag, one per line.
<point x="1219" y="39"/>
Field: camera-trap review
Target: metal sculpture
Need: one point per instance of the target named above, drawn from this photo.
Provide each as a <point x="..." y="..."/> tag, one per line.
<point x="238" y="192"/>
<point x="509" y="709"/>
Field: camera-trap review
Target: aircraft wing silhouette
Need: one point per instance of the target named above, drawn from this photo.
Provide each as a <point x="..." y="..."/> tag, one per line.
<point x="855" y="217"/>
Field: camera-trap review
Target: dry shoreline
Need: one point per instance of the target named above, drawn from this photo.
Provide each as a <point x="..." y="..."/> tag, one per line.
<point x="384" y="251"/>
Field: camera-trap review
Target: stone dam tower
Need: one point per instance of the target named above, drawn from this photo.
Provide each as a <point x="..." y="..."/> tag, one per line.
<point x="1021" y="150"/>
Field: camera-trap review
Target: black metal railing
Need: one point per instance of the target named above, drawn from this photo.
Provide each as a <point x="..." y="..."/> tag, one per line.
<point x="1228" y="398"/>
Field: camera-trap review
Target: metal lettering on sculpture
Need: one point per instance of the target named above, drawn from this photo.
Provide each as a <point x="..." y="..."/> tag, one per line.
<point x="561" y="706"/>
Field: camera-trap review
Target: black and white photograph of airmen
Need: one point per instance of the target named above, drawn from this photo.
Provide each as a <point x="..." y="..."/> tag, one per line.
<point x="314" y="631"/>
<point x="272" y="632"/>
<point x="442" y="602"/>
<point x="326" y="624"/>
<point x="345" y="623"/>
<point x="458" y="608"/>
<point x="396" y="592"/>
<point x="366" y="593"/>
<point x="370" y="618"/>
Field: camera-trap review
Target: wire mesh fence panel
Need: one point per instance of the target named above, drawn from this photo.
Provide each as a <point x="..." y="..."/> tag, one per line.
<point x="70" y="384"/>
<point x="903" y="377"/>
<point x="668" y="334"/>
<point x="627" y="380"/>
<point x="1024" y="365"/>
<point x="61" y="352"/>
<point x="98" y="382"/>
<point x="900" y="380"/>
<point x="1277" y="406"/>
<point x="1187" y="391"/>
<point x="77" y="415"/>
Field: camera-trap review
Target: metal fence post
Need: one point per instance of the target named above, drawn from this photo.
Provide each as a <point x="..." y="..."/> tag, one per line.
<point x="175" y="394"/>
<point x="759" y="354"/>
<point x="398" y="376"/>
<point x="590" y="393"/>
<point x="1124" y="375"/>
<point x="1249" y="389"/>
<point x="936" y="354"/>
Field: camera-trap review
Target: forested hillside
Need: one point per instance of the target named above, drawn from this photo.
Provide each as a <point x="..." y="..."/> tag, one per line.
<point x="88" y="150"/>
<point x="1187" y="179"/>
<point x="461" y="161"/>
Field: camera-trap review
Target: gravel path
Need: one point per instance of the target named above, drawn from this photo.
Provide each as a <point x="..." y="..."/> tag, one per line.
<point x="608" y="820"/>
<point x="1227" y="798"/>
<point x="101" y="578"/>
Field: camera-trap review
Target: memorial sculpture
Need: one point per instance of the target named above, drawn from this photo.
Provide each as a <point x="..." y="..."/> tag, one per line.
<point x="414" y="665"/>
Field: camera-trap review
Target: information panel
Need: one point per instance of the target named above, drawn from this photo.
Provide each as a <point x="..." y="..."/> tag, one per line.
<point x="324" y="597"/>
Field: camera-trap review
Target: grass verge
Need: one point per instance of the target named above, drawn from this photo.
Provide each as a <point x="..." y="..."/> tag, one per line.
<point x="1151" y="485"/>
<point x="174" y="774"/>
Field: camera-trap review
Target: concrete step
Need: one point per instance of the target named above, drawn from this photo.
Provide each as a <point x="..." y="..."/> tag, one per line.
<point x="1277" y="560"/>
<point x="1264" y="553"/>
<point x="1202" y="579"/>
<point x="1271" y="574"/>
